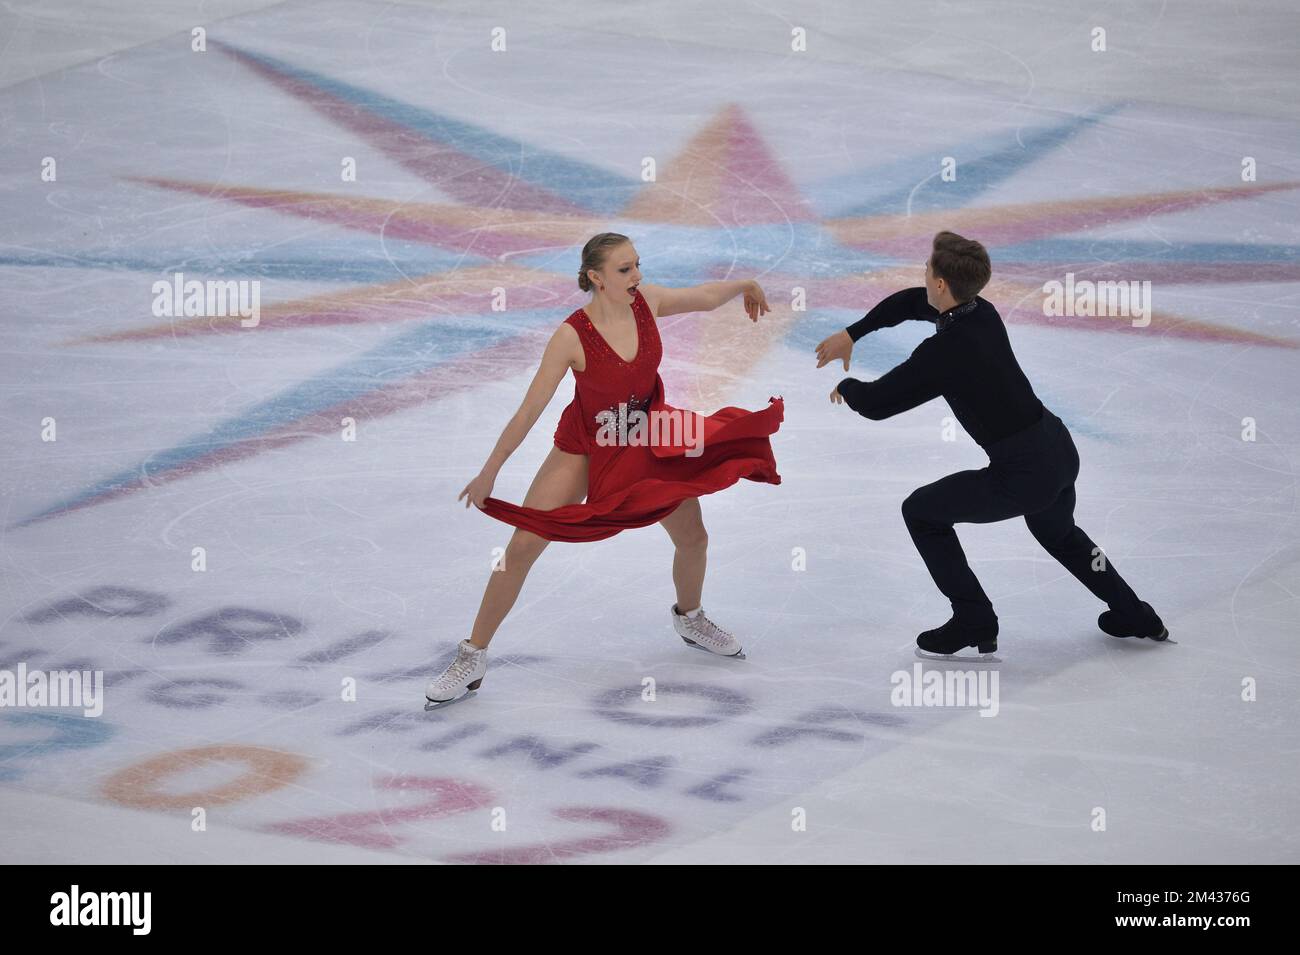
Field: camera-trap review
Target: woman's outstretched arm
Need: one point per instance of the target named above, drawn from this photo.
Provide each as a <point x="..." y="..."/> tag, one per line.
<point x="666" y="301"/>
<point x="558" y="357"/>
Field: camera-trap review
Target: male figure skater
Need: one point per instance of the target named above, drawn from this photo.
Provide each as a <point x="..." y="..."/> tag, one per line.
<point x="1033" y="462"/>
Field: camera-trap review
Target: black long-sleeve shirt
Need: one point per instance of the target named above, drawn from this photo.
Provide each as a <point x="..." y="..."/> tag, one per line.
<point x="968" y="361"/>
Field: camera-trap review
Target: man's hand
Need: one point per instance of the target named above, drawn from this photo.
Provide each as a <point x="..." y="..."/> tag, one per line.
<point x="836" y="397"/>
<point x="839" y="345"/>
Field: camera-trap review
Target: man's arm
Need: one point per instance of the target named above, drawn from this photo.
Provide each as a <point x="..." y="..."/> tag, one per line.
<point x="914" y="382"/>
<point x="899" y="307"/>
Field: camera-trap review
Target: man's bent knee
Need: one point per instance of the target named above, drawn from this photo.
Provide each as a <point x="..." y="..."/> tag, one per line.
<point x="914" y="507"/>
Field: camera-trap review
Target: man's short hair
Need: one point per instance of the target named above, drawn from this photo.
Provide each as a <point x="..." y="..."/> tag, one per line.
<point x="962" y="263"/>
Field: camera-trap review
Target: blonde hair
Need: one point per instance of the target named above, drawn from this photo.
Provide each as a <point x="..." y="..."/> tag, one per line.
<point x="594" y="254"/>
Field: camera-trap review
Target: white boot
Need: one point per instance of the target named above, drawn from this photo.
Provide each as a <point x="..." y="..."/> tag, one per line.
<point x="699" y="631"/>
<point x="464" y="673"/>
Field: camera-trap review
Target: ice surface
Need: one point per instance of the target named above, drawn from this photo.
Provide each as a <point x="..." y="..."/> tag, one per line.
<point x="330" y="560"/>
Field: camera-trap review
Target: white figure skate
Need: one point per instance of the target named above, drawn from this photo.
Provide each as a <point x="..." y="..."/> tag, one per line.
<point x="699" y="631"/>
<point x="465" y="673"/>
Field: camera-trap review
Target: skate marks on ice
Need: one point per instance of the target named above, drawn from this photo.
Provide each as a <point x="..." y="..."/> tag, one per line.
<point x="224" y="694"/>
<point x="562" y="760"/>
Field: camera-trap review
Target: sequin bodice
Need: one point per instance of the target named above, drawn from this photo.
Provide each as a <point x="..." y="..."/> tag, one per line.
<point x="607" y="383"/>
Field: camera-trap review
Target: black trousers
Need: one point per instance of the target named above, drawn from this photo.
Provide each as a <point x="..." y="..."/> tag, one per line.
<point x="1030" y="474"/>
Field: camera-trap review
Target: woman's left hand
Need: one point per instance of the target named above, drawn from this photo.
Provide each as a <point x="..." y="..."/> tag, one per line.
<point x="755" y="302"/>
<point x="836" y="397"/>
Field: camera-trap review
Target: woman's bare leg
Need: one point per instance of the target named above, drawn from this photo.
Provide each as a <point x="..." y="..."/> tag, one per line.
<point x="561" y="480"/>
<point x="686" y="528"/>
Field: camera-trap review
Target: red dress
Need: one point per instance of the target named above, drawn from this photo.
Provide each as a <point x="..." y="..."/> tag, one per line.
<point x="631" y="484"/>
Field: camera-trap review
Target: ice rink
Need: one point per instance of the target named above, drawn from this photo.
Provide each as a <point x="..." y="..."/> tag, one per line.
<point x="244" y="528"/>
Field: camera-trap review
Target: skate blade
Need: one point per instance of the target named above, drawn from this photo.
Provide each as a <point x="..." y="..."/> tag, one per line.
<point x="983" y="659"/>
<point x="432" y="705"/>
<point x="1161" y="637"/>
<point x="725" y="656"/>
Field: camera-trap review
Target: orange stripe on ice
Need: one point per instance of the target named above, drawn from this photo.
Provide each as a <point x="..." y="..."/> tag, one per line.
<point x="1021" y="303"/>
<point x="487" y="230"/>
<point x="911" y="235"/>
<point x="465" y="290"/>
<point x="725" y="176"/>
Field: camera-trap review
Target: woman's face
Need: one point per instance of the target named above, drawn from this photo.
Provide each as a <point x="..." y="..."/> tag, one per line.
<point x="622" y="273"/>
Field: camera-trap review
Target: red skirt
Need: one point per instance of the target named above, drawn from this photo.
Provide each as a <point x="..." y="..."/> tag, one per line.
<point x="635" y="485"/>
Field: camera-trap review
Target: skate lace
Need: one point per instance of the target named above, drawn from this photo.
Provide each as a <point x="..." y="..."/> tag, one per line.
<point x="459" y="669"/>
<point x="710" y="629"/>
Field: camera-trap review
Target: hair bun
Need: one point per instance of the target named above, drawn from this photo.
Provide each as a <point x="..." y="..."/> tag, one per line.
<point x="594" y="254"/>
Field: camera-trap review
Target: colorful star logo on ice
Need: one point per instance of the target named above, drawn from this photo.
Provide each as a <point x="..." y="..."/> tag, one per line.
<point x="723" y="207"/>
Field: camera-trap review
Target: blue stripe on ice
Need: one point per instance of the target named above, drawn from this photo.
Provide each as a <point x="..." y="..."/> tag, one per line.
<point x="582" y="183"/>
<point x="878" y="351"/>
<point x="359" y="262"/>
<point x="1088" y="251"/>
<point x="417" y="350"/>
<point x="995" y="160"/>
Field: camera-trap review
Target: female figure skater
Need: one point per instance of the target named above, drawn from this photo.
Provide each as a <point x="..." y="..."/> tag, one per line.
<point x="630" y="477"/>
